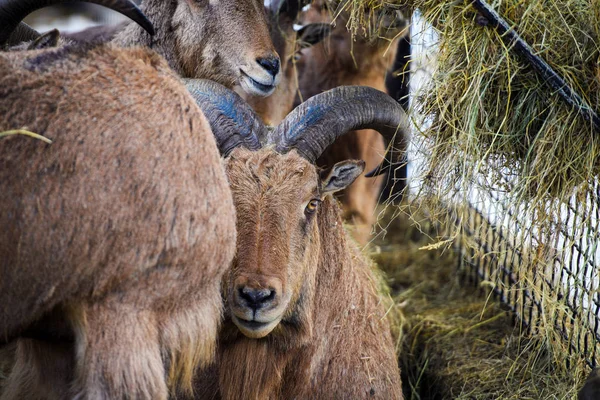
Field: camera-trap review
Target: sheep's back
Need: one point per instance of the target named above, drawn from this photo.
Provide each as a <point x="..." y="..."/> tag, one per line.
<point x="130" y="198"/>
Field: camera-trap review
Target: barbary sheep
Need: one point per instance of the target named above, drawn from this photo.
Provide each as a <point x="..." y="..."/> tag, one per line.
<point x="289" y="43"/>
<point x="303" y="318"/>
<point x="209" y="39"/>
<point x="198" y="38"/>
<point x="344" y="60"/>
<point x="114" y="237"/>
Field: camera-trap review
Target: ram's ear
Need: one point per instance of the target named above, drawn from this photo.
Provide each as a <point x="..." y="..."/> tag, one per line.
<point x="341" y="176"/>
<point x="47" y="40"/>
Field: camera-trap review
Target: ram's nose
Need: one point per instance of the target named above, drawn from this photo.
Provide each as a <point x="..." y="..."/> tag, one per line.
<point x="261" y="75"/>
<point x="255" y="298"/>
<point x="270" y="64"/>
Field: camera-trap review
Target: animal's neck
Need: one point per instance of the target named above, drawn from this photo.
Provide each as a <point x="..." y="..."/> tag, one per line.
<point x="327" y="71"/>
<point x="251" y="369"/>
<point x="345" y="288"/>
<point x="337" y="268"/>
<point x="364" y="70"/>
<point x="160" y="13"/>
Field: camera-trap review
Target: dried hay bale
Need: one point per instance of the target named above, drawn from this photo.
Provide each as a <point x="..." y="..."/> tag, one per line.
<point x="487" y="106"/>
<point x="489" y="122"/>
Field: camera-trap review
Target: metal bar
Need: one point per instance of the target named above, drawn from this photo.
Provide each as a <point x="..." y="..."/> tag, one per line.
<point x="523" y="49"/>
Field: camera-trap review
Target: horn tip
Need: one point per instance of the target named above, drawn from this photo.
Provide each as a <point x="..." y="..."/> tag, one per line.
<point x="148" y="27"/>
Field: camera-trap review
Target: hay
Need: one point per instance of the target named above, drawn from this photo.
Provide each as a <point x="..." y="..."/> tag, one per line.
<point x="455" y="341"/>
<point x="487" y="106"/>
<point x="498" y="138"/>
<point x="493" y="115"/>
<point x="25" y="133"/>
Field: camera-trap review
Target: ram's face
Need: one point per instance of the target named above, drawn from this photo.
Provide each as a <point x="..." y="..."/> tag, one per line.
<point x="227" y="41"/>
<point x="277" y="198"/>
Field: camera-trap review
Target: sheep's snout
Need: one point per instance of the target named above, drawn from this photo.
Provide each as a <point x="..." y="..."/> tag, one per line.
<point x="255" y="298"/>
<point x="257" y="305"/>
<point x="261" y="77"/>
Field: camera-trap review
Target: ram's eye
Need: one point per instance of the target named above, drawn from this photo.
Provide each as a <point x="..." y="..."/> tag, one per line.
<point x="312" y="205"/>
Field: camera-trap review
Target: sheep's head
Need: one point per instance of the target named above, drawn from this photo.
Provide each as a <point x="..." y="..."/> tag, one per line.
<point x="277" y="198"/>
<point x="371" y="48"/>
<point x="227" y="40"/>
<point x="288" y="42"/>
<point x="277" y="192"/>
<point x="14" y="33"/>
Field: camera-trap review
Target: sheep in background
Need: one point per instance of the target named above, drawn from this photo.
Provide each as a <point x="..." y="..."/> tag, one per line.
<point x="288" y="42"/>
<point x="197" y="38"/>
<point x="203" y="40"/>
<point x="343" y="60"/>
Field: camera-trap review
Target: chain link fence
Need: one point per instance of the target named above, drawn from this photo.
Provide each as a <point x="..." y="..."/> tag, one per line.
<point x="547" y="273"/>
<point x="542" y="261"/>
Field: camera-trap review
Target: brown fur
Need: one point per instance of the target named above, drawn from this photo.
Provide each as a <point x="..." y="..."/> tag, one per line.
<point x="125" y="222"/>
<point x="288" y="43"/>
<point x="274" y="108"/>
<point x="333" y="341"/>
<point x="200" y="39"/>
<point x="7" y="360"/>
<point x="42" y="371"/>
<point x="337" y="61"/>
<point x="96" y="34"/>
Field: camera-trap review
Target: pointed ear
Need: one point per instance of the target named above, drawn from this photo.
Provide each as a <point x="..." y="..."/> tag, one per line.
<point x="47" y="40"/>
<point x="341" y="176"/>
<point x="311" y="34"/>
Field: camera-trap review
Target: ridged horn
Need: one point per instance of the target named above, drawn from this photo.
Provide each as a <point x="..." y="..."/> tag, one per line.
<point x="233" y="122"/>
<point x="22" y="33"/>
<point x="319" y="121"/>
<point x="12" y="12"/>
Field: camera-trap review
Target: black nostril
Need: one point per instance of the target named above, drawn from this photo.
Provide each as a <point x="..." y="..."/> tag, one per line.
<point x="256" y="298"/>
<point x="271" y="64"/>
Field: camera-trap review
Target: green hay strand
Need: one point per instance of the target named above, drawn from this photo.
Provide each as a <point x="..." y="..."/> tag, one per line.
<point x="25" y="133"/>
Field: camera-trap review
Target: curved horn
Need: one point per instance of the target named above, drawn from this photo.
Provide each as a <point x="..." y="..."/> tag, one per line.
<point x="12" y="12"/>
<point x="22" y="33"/>
<point x="319" y="121"/>
<point x="233" y="122"/>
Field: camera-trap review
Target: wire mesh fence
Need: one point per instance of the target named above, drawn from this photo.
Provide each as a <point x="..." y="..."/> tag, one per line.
<point x="546" y="272"/>
<point x="541" y="259"/>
